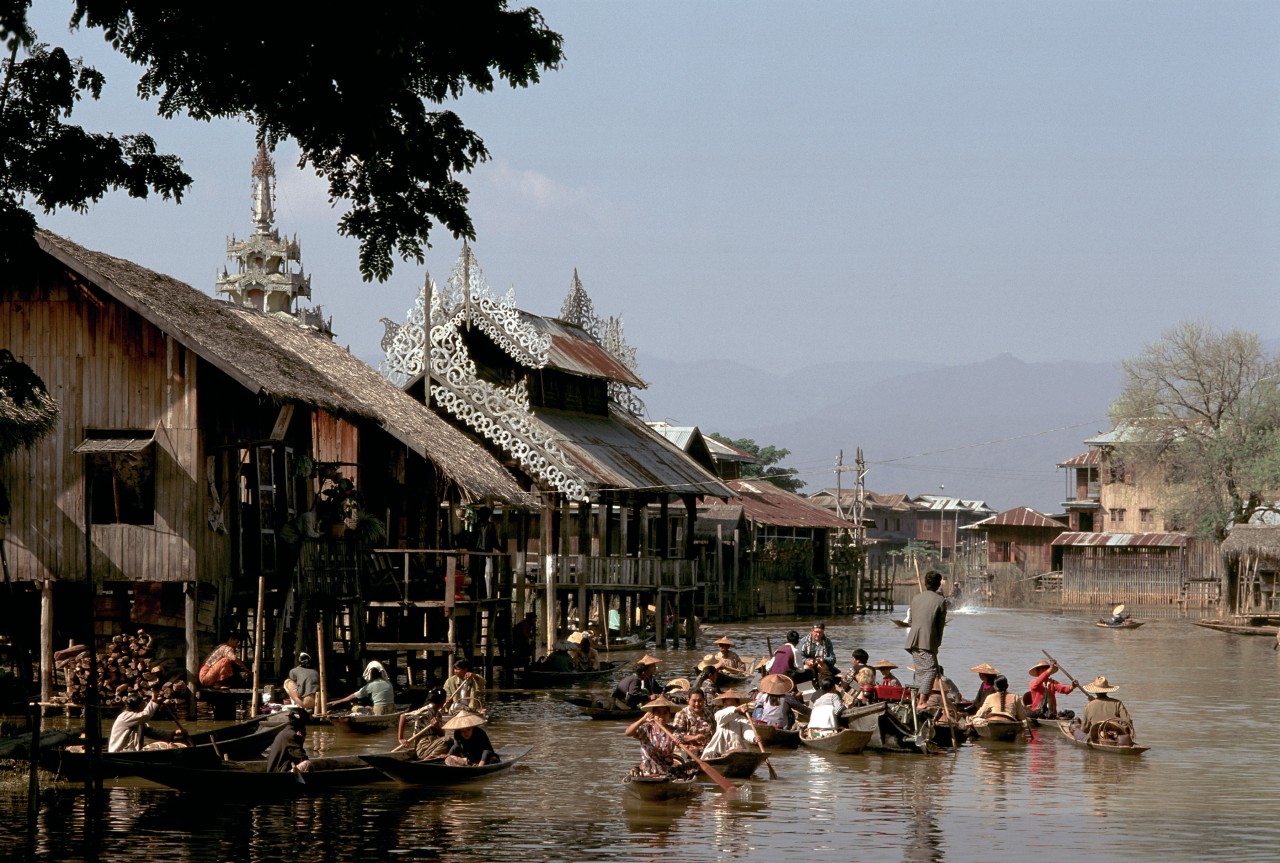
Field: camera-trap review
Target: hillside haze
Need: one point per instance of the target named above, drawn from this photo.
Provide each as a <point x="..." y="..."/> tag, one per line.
<point x="993" y="430"/>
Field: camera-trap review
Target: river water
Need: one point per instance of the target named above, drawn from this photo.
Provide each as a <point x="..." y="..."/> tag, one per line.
<point x="1205" y="702"/>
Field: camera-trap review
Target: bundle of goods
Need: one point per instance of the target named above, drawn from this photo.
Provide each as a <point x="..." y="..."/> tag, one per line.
<point x="125" y="666"/>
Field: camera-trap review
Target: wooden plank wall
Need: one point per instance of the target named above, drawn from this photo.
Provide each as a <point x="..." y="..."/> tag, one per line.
<point x="1106" y="575"/>
<point x="108" y="369"/>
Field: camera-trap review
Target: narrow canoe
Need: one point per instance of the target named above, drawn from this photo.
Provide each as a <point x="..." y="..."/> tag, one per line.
<point x="1066" y="727"/>
<point x="627" y="644"/>
<point x="654" y="788"/>
<point x="245" y="740"/>
<point x="1128" y="624"/>
<point x="404" y="767"/>
<point x="609" y="713"/>
<point x="19" y="746"/>
<point x="737" y="763"/>
<point x="846" y="741"/>
<point x="534" y="676"/>
<point x="240" y="779"/>
<point x="996" y="728"/>
<point x="729" y="679"/>
<point x="1237" y="629"/>
<point x="365" y="723"/>
<point x="778" y="738"/>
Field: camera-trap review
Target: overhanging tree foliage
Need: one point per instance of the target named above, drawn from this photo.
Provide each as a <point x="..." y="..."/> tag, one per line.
<point x="768" y="468"/>
<point x="1200" y="413"/>
<point x="352" y="93"/>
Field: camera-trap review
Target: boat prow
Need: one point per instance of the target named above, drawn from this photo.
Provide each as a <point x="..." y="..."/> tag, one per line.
<point x="1065" y="727"/>
<point x="405" y="768"/>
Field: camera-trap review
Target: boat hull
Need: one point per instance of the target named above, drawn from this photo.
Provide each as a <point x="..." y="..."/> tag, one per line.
<point x="559" y="679"/>
<point x="1128" y="624"/>
<point x="405" y="769"/>
<point x="1065" y="728"/>
<point x="242" y="779"/>
<point x="1237" y="628"/>
<point x="365" y="723"/>
<point x="778" y="738"/>
<point x="738" y="764"/>
<point x="997" y="729"/>
<point x="657" y="788"/>
<point x="846" y="741"/>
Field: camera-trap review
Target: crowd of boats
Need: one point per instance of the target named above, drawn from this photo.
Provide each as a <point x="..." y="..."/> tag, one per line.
<point x="872" y="714"/>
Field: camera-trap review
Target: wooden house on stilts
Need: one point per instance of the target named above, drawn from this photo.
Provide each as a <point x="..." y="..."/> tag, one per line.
<point x="178" y="491"/>
<point x="553" y="399"/>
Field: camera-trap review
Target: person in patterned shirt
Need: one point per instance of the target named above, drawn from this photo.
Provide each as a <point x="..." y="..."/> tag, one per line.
<point x="657" y="746"/>
<point x="693" y="724"/>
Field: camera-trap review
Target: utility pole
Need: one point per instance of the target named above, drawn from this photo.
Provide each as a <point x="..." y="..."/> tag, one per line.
<point x="859" y="502"/>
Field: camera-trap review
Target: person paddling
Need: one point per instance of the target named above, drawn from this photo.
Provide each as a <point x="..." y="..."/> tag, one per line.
<point x="1044" y="689"/>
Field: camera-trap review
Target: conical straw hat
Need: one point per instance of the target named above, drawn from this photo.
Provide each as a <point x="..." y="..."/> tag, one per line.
<point x="776" y="684"/>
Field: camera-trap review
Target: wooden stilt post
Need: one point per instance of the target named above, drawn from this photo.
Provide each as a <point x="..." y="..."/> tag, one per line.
<point x="190" y="613"/>
<point x="254" y="703"/>
<point x="322" y="697"/>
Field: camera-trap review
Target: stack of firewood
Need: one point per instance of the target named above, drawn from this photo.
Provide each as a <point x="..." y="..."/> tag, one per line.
<point x="126" y="666"/>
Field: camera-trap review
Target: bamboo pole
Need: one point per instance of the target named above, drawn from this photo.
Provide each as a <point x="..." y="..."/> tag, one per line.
<point x="322" y="697"/>
<point x="254" y="705"/>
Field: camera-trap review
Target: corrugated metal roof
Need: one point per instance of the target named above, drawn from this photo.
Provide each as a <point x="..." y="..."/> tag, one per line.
<point x="678" y="435"/>
<point x="1019" y="516"/>
<point x="1123" y="540"/>
<point x="619" y="451"/>
<point x="1092" y="458"/>
<point x="765" y="503"/>
<point x="723" y="452"/>
<point x="939" y="503"/>
<point x="574" y="351"/>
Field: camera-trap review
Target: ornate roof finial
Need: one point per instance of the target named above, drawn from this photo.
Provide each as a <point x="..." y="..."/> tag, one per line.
<point x="263" y="171"/>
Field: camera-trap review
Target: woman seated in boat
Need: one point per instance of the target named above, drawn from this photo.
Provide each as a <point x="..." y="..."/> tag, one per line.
<point x="1119" y="616"/>
<point x="426" y="727"/>
<point x="471" y="746"/>
<point x="638" y="687"/>
<point x="708" y="680"/>
<point x="776" y="704"/>
<point x="693" y="724"/>
<point x="378" y="690"/>
<point x="733" y="725"/>
<point x="987" y="674"/>
<point x="726" y="656"/>
<point x="657" y="745"/>
<point x="1106" y="720"/>
<point x="1001" y="705"/>
<point x="824" y="713"/>
<point x="1044" y="690"/>
<point x="585" y="657"/>
<point x="288" y="751"/>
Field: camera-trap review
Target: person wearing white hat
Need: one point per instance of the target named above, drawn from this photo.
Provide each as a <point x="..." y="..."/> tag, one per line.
<point x="303" y="683"/>
<point x="1105" y="716"/>
<point x="1119" y="615"/>
<point x="378" y="690"/>
<point x="733" y="728"/>
<point x="728" y="658"/>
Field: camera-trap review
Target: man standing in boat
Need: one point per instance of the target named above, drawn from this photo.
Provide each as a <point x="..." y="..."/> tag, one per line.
<point x="928" y="615"/>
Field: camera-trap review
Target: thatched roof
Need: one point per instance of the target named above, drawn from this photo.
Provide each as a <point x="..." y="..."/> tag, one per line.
<point x="281" y="361"/>
<point x="1253" y="540"/>
<point x="27" y="411"/>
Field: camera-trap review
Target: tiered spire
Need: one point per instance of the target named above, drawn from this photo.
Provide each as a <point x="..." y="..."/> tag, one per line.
<point x="262" y="278"/>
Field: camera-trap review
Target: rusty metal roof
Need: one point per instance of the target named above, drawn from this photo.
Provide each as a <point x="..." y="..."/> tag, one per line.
<point x="1019" y="516"/>
<point x="765" y="503"/>
<point x="619" y="451"/>
<point x="1092" y="458"/>
<point x="1123" y="540"/>
<point x="573" y="350"/>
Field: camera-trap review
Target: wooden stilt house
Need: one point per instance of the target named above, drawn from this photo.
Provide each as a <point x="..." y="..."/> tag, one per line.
<point x="181" y="481"/>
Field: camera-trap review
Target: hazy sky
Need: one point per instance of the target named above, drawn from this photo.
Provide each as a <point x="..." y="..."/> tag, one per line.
<point x="798" y="183"/>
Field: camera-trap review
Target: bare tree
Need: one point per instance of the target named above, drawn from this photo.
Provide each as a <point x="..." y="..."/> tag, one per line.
<point x="1200" y="413"/>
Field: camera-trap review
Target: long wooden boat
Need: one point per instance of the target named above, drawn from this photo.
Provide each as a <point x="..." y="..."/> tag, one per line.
<point x="737" y="763"/>
<point x="246" y="740"/>
<point x="1066" y="726"/>
<point x="610" y="713"/>
<point x="1128" y="624"/>
<point x="1238" y="628"/>
<point x="633" y="643"/>
<point x="729" y="679"/>
<point x="655" y="788"/>
<point x="846" y="741"/>
<point x="997" y="728"/>
<point x="365" y="723"/>
<point x="239" y="779"/>
<point x="534" y="676"/>
<point x="778" y="738"/>
<point x="405" y="768"/>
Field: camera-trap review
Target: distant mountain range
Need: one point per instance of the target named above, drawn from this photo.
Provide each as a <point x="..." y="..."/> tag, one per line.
<point x="993" y="430"/>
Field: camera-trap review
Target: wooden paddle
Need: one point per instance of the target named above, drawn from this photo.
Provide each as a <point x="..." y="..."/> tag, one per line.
<point x="773" y="774"/>
<point x="946" y="711"/>
<point x="412" y="739"/>
<point x="173" y="714"/>
<point x="714" y="775"/>
<point x="1088" y="695"/>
